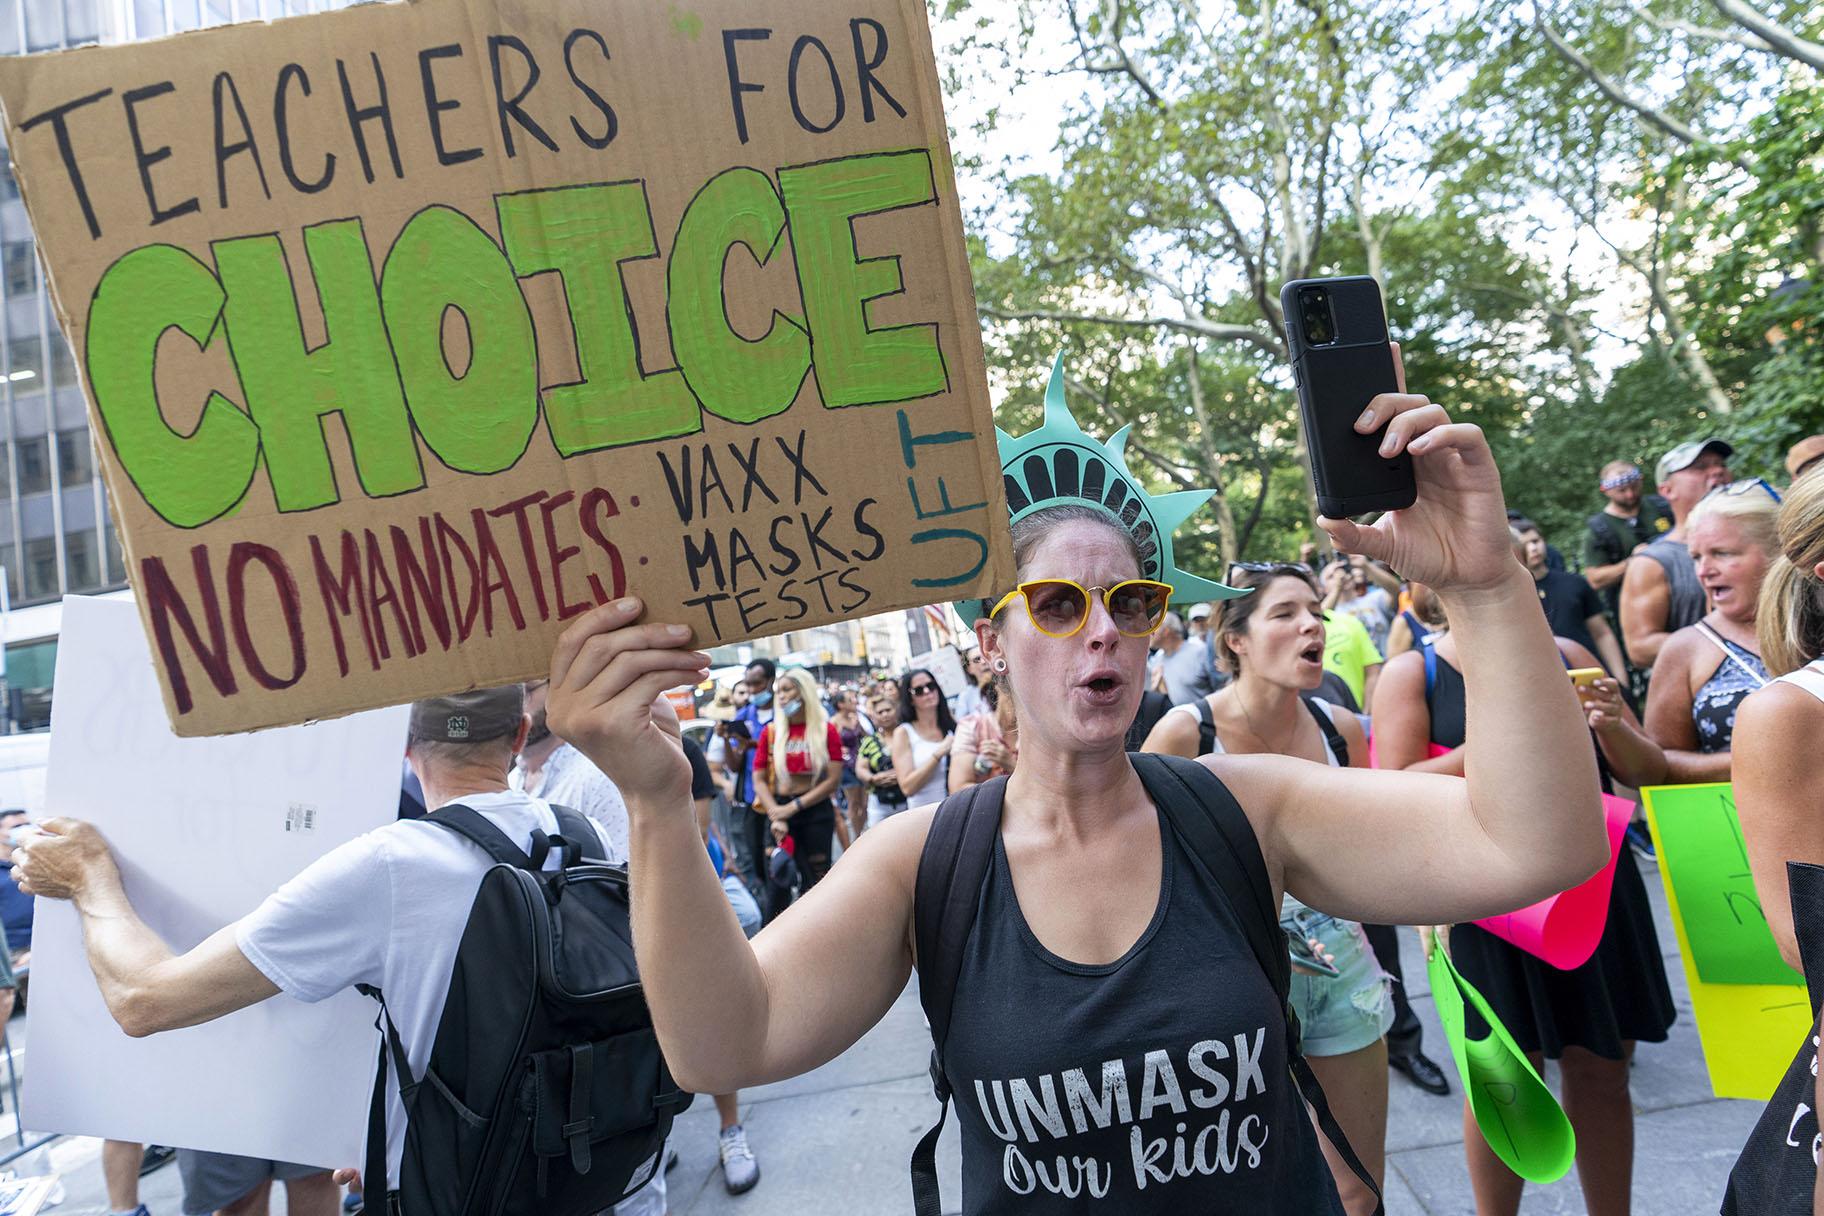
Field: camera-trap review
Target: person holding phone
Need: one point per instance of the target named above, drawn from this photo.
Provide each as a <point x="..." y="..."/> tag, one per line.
<point x="1078" y="959"/>
<point x="1271" y="643"/>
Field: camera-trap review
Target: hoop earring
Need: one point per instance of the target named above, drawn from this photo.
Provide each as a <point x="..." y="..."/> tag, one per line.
<point x="1000" y="667"/>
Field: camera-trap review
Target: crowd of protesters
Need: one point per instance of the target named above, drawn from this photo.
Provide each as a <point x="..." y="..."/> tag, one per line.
<point x="1700" y="605"/>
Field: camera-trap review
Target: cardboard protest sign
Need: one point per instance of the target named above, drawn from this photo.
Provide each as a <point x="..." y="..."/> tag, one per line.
<point x="1747" y="1030"/>
<point x="203" y="830"/>
<point x="411" y="331"/>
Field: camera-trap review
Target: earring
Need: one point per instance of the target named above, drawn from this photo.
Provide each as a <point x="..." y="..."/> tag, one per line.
<point x="1000" y="667"/>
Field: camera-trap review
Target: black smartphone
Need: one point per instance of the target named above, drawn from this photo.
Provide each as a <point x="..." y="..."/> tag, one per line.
<point x="1336" y="333"/>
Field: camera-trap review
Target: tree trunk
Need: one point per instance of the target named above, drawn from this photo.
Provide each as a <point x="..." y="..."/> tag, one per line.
<point x="1226" y="539"/>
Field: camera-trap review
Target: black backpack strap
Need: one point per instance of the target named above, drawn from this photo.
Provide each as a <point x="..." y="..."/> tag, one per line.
<point x="578" y="830"/>
<point x="1223" y="847"/>
<point x="950" y="872"/>
<point x="1339" y="747"/>
<point x="373" y="1170"/>
<point x="472" y="825"/>
<point x="1206" y="727"/>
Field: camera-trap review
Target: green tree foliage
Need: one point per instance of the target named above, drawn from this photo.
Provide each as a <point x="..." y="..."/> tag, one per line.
<point x="1581" y="211"/>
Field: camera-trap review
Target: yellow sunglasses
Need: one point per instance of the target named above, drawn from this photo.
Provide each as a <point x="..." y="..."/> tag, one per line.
<point x="1059" y="607"/>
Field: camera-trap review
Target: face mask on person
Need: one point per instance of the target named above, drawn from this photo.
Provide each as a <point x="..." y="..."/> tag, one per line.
<point x="761" y="699"/>
<point x="792" y="709"/>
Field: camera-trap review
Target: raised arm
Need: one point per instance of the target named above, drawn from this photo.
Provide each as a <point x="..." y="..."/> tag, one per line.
<point x="1778" y="790"/>
<point x="1414" y="848"/>
<point x="729" y="1013"/>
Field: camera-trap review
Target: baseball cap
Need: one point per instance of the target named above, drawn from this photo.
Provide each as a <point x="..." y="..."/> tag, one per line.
<point x="1200" y="612"/>
<point x="469" y="717"/>
<point x="1682" y="457"/>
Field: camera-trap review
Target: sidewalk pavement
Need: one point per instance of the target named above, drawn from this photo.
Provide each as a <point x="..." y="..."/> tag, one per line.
<point x="838" y="1139"/>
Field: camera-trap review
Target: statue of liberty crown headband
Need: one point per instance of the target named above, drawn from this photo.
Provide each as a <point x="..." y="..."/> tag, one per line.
<point x="1058" y="464"/>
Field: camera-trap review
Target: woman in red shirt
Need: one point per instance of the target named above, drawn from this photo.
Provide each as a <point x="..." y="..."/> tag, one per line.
<point x="796" y="767"/>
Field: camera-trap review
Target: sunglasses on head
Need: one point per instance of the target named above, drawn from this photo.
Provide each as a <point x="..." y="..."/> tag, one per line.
<point x="1236" y="568"/>
<point x="1749" y="485"/>
<point x="1059" y="607"/>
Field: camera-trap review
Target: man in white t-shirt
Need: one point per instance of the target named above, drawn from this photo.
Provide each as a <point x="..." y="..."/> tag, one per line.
<point x="387" y="908"/>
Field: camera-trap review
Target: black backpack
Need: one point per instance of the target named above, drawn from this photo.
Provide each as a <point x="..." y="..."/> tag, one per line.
<point x="546" y="1092"/>
<point x="1215" y="832"/>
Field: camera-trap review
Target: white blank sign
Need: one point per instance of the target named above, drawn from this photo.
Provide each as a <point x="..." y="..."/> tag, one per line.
<point x="203" y="830"/>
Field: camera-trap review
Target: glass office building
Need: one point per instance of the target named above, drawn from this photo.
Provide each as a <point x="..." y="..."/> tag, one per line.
<point x="56" y="532"/>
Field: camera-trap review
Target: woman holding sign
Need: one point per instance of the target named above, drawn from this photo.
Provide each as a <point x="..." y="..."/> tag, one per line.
<point x="1117" y="1039"/>
<point x="1588" y="1018"/>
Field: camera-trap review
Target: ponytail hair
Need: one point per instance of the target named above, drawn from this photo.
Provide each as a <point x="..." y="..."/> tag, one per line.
<point x="1790" y="620"/>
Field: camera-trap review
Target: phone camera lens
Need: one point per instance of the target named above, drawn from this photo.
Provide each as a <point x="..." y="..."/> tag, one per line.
<point x="1319" y="321"/>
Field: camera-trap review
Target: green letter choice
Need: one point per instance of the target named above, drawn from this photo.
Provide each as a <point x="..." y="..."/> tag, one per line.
<point x="585" y="233"/>
<point x="188" y="479"/>
<point x="856" y="363"/>
<point x="290" y="388"/>
<point x="734" y="377"/>
<point x="479" y="420"/>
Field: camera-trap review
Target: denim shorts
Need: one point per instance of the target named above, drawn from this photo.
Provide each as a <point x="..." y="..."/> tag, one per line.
<point x="1346" y="1013"/>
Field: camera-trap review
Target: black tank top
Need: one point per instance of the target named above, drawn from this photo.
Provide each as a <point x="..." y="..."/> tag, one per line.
<point x="1448" y="701"/>
<point x="1154" y="1084"/>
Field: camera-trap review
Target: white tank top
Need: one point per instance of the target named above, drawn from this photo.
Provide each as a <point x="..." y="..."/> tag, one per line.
<point x="1809" y="677"/>
<point x="933" y="788"/>
<point x="1329" y="712"/>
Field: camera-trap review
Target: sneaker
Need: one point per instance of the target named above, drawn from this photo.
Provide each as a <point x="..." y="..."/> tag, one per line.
<point x="352" y="1203"/>
<point x="739" y="1169"/>
<point x="157" y="1157"/>
<point x="1641" y="841"/>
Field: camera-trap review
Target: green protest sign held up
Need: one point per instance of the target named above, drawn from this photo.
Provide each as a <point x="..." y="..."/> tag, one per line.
<point x="1516" y="1113"/>
<point x="1706" y="862"/>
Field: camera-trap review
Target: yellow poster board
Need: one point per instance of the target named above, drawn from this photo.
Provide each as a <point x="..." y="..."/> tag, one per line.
<point x="1749" y="1032"/>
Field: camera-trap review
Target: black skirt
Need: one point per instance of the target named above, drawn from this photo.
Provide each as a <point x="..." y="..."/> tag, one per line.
<point x="1620" y="995"/>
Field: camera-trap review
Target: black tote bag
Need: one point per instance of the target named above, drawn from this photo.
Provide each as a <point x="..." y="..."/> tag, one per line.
<point x="1777" y="1170"/>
